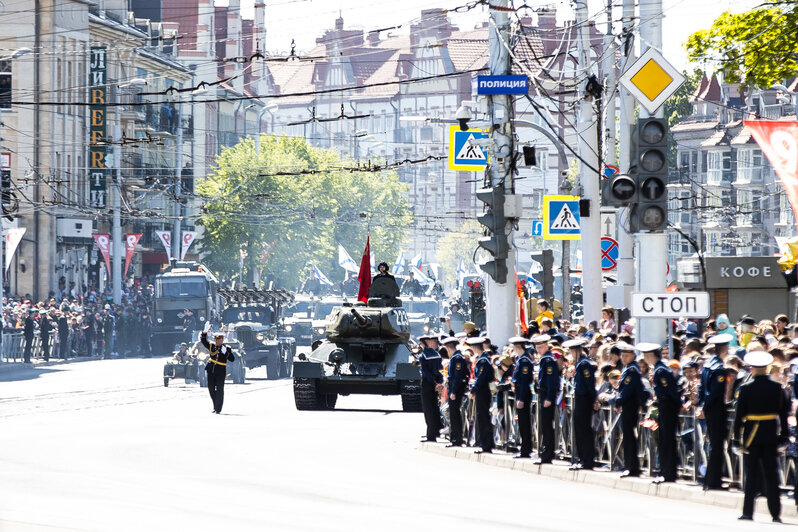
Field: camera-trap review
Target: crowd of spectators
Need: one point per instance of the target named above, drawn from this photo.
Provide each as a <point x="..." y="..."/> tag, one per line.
<point x="72" y="323"/>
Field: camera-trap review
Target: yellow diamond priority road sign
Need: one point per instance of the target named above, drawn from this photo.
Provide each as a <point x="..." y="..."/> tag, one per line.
<point x="652" y="80"/>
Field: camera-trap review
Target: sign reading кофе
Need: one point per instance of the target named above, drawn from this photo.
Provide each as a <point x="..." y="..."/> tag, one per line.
<point x="744" y="272"/>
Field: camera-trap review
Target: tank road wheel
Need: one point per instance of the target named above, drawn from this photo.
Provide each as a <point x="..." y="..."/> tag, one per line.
<point x="411" y="396"/>
<point x="306" y="397"/>
<point x="166" y="382"/>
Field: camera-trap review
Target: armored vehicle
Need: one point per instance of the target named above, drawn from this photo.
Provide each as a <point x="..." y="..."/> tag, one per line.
<point x="366" y="351"/>
<point x="252" y="318"/>
<point x="181" y="287"/>
<point x="423" y="313"/>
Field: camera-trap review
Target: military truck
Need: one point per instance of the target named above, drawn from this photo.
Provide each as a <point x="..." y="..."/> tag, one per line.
<point x="180" y="287"/>
<point x="423" y="313"/>
<point x="252" y="317"/>
<point x="366" y="350"/>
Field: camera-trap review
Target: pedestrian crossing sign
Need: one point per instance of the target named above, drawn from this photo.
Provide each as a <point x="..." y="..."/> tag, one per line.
<point x="463" y="155"/>
<point x="561" y="218"/>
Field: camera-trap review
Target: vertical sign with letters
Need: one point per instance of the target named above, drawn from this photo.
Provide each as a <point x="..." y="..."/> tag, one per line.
<point x="98" y="92"/>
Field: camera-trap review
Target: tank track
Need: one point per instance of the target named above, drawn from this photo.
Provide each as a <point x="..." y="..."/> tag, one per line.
<point x="411" y="396"/>
<point x="305" y="395"/>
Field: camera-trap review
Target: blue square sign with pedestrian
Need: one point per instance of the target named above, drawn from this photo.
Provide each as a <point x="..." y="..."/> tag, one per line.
<point x="465" y="155"/>
<point x="561" y="219"/>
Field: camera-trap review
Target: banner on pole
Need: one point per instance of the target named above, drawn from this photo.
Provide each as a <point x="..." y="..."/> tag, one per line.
<point x="103" y="241"/>
<point x="188" y="239"/>
<point x="13" y="237"/>
<point x="166" y="240"/>
<point x="131" y="241"/>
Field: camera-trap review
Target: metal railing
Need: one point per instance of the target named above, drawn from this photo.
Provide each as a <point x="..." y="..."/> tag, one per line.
<point x="691" y="435"/>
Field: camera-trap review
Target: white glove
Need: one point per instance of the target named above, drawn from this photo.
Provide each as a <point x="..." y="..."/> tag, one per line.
<point x="224" y="349"/>
<point x="207" y="327"/>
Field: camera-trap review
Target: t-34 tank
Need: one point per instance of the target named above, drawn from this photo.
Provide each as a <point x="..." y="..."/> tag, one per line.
<point x="366" y="351"/>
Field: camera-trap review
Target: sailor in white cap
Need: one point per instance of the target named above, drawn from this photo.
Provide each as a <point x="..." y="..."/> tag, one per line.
<point x="585" y="404"/>
<point x="431" y="382"/>
<point x="631" y="396"/>
<point x="459" y="374"/>
<point x="522" y="384"/>
<point x="760" y="427"/>
<point x="669" y="403"/>
<point x="712" y="398"/>
<point x="548" y="389"/>
<point x="480" y="391"/>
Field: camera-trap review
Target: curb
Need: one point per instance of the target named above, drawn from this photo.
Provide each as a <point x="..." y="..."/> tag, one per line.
<point x="610" y="479"/>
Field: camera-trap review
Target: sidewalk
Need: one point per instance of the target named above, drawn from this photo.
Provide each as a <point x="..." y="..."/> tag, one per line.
<point x="8" y="367"/>
<point x="681" y="490"/>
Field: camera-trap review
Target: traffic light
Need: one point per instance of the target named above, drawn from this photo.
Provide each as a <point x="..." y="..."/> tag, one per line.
<point x="619" y="190"/>
<point x="650" y="212"/>
<point x="546" y="276"/>
<point x="497" y="243"/>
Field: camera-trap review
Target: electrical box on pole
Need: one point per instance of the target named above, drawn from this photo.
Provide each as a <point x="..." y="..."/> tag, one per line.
<point x="651" y="210"/>
<point x="494" y="221"/>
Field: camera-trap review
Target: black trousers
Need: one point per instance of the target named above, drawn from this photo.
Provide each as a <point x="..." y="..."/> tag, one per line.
<point x="28" y="347"/>
<point x="46" y="347"/>
<point x="761" y="459"/>
<point x="666" y="441"/>
<point x="717" y="430"/>
<point x="63" y="349"/>
<point x="546" y="432"/>
<point x="429" y="404"/>
<point x="583" y="430"/>
<point x="525" y="428"/>
<point x="216" y="388"/>
<point x="628" y="425"/>
<point x="456" y="420"/>
<point x="484" y="425"/>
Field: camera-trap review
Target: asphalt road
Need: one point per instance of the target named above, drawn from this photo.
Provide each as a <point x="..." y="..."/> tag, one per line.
<point x="103" y="446"/>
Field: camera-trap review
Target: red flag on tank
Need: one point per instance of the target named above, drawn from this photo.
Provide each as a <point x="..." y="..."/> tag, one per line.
<point x="364" y="276"/>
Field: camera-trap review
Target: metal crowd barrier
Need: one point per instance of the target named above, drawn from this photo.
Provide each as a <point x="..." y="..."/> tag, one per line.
<point x="14" y="346"/>
<point x="692" y="442"/>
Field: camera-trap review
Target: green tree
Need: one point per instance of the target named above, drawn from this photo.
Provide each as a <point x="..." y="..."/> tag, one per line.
<point x="456" y="245"/>
<point x="286" y="221"/>
<point x="678" y="106"/>
<point x="756" y="48"/>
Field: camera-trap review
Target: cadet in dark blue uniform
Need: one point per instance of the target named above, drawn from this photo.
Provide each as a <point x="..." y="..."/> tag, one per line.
<point x="548" y="389"/>
<point x="669" y="403"/>
<point x="584" y="404"/>
<point x="712" y="397"/>
<point x="480" y="391"/>
<point x="760" y="426"/>
<point x="431" y="383"/>
<point x="459" y="374"/>
<point x="216" y="367"/>
<point x="631" y="395"/>
<point x="522" y="384"/>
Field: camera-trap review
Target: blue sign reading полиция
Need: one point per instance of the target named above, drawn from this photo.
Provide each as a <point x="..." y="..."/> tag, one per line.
<point x="502" y="85"/>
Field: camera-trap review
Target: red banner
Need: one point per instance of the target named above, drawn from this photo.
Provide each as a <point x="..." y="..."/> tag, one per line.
<point x="131" y="241"/>
<point x="779" y="143"/>
<point x="103" y="241"/>
<point x="364" y="276"/>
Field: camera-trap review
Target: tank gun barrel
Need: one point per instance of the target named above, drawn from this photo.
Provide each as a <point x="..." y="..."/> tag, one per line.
<point x="360" y="318"/>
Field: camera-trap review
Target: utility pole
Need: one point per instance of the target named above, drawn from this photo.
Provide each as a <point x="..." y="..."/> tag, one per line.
<point x="116" y="231"/>
<point x="651" y="248"/>
<point x="593" y="294"/>
<point x="177" y="237"/>
<point x="619" y="296"/>
<point x="502" y="299"/>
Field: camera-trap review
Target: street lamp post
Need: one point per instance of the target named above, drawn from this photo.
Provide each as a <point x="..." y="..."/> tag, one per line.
<point x="17" y="53"/>
<point x="271" y="108"/>
<point x="116" y="195"/>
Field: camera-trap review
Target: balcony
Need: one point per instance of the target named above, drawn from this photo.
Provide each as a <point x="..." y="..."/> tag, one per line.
<point x="748" y="176"/>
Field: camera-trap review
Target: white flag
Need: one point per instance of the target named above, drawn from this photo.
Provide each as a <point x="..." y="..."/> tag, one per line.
<point x="399" y="265"/>
<point x="188" y="239"/>
<point x="345" y="261"/>
<point x="13" y="237"/>
<point x="166" y="240"/>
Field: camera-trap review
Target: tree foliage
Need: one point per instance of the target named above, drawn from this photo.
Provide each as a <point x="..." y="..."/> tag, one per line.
<point x="756" y="48"/>
<point x="456" y="245"/>
<point x="286" y="222"/>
